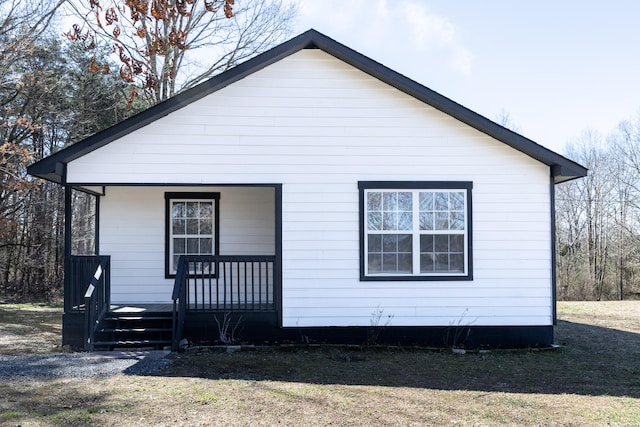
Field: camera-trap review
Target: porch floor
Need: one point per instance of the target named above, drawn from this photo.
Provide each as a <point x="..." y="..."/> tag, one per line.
<point x="141" y="308"/>
<point x="133" y="308"/>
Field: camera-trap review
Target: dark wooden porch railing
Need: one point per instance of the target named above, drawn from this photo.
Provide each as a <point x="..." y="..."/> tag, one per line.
<point x="97" y="299"/>
<point x="77" y="278"/>
<point x="179" y="298"/>
<point x="221" y="283"/>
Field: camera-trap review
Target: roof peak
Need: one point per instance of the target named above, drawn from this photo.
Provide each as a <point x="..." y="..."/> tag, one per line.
<point x="563" y="169"/>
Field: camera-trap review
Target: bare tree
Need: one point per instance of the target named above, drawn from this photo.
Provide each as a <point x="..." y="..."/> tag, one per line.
<point x="169" y="45"/>
<point x="571" y="235"/>
<point x="590" y="204"/>
<point x="598" y="218"/>
<point x="504" y="119"/>
<point x="625" y="144"/>
<point x="22" y="22"/>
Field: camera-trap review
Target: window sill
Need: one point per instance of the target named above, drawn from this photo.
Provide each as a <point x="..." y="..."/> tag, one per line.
<point x="389" y="278"/>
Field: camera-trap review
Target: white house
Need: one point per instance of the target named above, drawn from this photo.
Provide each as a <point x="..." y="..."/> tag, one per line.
<point x="319" y="194"/>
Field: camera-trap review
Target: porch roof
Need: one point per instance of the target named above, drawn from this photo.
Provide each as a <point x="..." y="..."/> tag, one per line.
<point x="53" y="167"/>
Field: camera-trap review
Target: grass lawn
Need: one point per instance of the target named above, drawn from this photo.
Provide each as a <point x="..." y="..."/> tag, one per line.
<point x="30" y="328"/>
<point x="593" y="379"/>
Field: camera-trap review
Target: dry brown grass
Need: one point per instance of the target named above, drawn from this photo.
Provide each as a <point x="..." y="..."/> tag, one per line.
<point x="594" y="379"/>
<point x="30" y="328"/>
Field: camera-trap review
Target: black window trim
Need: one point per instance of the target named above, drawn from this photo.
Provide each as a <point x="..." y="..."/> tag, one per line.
<point x="168" y="196"/>
<point x="416" y="185"/>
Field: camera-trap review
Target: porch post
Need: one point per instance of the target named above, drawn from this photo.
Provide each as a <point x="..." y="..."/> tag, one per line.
<point x="554" y="248"/>
<point x="67" y="250"/>
<point x="277" y="268"/>
<point x="96" y="227"/>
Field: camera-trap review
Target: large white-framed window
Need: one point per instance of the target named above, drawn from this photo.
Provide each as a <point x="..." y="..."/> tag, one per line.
<point x="415" y="230"/>
<point x="192" y="226"/>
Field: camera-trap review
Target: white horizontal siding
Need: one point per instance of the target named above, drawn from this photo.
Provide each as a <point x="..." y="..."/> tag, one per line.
<point x="318" y="126"/>
<point x="132" y="231"/>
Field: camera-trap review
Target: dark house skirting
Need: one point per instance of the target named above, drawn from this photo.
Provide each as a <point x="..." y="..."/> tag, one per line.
<point x="259" y="328"/>
<point x="262" y="329"/>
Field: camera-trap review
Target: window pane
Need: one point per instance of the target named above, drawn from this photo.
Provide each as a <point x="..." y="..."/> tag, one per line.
<point x="426" y="243"/>
<point x="442" y="263"/>
<point x="192" y="226"/>
<point x="176" y="258"/>
<point x="390" y="201"/>
<point x="441" y="201"/>
<point x="457" y="221"/>
<point x="389" y="263"/>
<point x="427" y="263"/>
<point x="206" y="209"/>
<point x="192" y="209"/>
<point x="405" y="264"/>
<point x="374" y="221"/>
<point x="390" y="221"/>
<point x="192" y="246"/>
<point x="375" y="243"/>
<point x="178" y="210"/>
<point x="205" y="226"/>
<point x="179" y="246"/>
<point x="441" y="243"/>
<point x="178" y="226"/>
<point x="389" y="242"/>
<point x="456" y="243"/>
<point x="426" y="221"/>
<point x="426" y="201"/>
<point x="195" y="267"/>
<point x="374" y="202"/>
<point x="442" y="221"/>
<point x="405" y="221"/>
<point x="456" y="263"/>
<point x="456" y="201"/>
<point x="375" y="263"/>
<point x="405" y="202"/>
<point x="405" y="243"/>
<point x="206" y="246"/>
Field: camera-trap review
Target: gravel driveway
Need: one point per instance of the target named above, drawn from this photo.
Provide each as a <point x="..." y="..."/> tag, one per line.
<point x="82" y="365"/>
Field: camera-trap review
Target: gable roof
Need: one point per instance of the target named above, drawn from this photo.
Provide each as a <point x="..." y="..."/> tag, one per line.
<point x="53" y="167"/>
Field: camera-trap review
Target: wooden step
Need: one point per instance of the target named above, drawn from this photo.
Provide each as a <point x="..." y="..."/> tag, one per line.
<point x="138" y="330"/>
<point x="134" y="330"/>
<point x="132" y="343"/>
<point x="134" y="317"/>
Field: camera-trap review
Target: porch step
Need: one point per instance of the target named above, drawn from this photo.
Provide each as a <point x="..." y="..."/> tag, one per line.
<point x="119" y="330"/>
<point x="131" y="317"/>
<point x="122" y="330"/>
<point x="139" y="343"/>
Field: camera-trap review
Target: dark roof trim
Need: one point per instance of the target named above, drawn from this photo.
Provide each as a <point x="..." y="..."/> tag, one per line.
<point x="563" y="169"/>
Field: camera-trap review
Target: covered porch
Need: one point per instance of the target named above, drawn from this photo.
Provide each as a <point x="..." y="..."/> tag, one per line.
<point x="164" y="274"/>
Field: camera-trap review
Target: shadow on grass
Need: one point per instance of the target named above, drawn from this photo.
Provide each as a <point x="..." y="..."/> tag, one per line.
<point x="592" y="360"/>
<point x="44" y="401"/>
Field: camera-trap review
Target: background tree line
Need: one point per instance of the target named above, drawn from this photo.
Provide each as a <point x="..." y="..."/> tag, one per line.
<point x="598" y="218"/>
<point x="47" y="101"/>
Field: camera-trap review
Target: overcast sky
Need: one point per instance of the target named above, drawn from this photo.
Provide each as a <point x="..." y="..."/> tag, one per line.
<point x="556" y="67"/>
